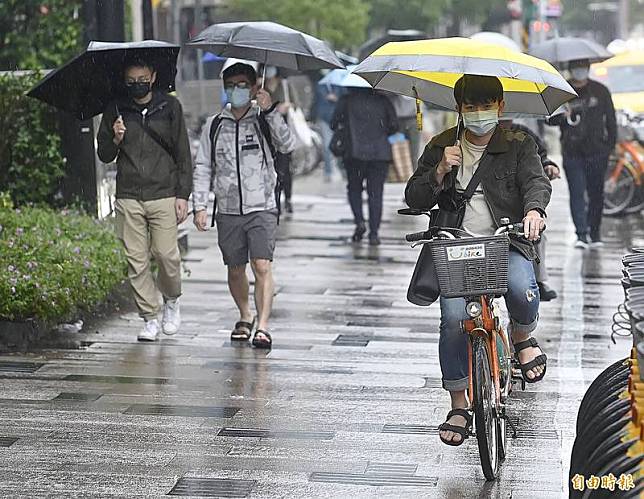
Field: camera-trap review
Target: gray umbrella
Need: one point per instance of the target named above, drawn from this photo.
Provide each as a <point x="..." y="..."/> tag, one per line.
<point x="268" y="43"/>
<point x="563" y="50"/>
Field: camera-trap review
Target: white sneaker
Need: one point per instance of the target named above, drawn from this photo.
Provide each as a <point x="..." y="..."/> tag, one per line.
<point x="171" y="317"/>
<point x="596" y="244"/>
<point x="581" y="244"/>
<point x="150" y="331"/>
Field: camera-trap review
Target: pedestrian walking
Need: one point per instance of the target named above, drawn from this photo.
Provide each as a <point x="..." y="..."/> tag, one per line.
<point x="588" y="136"/>
<point x="368" y="118"/>
<point x="325" y="101"/>
<point x="551" y="169"/>
<point x="236" y="156"/>
<point x="146" y="133"/>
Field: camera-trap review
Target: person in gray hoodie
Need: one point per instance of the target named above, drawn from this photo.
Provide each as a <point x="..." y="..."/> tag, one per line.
<point x="235" y="157"/>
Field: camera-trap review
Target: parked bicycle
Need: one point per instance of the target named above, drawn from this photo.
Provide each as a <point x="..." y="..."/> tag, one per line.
<point x="623" y="188"/>
<point x="476" y="268"/>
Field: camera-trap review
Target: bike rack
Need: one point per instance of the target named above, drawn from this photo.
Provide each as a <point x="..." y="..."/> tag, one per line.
<point x="609" y="446"/>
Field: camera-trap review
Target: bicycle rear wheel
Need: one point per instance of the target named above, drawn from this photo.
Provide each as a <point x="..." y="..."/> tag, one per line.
<point x="618" y="194"/>
<point x="484" y="405"/>
<point x="637" y="203"/>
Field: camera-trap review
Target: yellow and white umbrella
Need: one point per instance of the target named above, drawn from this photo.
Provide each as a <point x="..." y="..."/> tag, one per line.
<point x="429" y="69"/>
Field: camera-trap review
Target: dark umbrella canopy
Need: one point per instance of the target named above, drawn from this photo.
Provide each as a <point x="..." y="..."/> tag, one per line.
<point x="563" y="50"/>
<point x="393" y="35"/>
<point x="268" y="43"/>
<point x="87" y="83"/>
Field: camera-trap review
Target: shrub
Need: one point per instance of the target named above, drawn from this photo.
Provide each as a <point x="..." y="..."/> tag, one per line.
<point x="31" y="163"/>
<point x="54" y="265"/>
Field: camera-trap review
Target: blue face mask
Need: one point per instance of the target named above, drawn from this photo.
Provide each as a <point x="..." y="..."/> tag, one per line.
<point x="481" y="122"/>
<point x="238" y="97"/>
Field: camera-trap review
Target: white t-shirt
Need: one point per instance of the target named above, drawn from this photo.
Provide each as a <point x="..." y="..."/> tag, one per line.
<point x="478" y="218"/>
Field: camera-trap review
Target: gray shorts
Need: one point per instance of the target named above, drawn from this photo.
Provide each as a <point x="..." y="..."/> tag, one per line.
<point x="244" y="236"/>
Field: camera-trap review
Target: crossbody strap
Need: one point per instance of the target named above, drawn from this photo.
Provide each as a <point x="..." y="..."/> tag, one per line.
<point x="159" y="140"/>
<point x="475" y="180"/>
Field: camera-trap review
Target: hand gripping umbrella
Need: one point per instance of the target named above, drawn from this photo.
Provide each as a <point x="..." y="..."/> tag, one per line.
<point x="429" y="69"/>
<point x="269" y="43"/>
<point x="87" y="83"/>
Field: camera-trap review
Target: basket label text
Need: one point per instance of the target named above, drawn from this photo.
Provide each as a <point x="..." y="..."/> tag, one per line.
<point x="470" y="252"/>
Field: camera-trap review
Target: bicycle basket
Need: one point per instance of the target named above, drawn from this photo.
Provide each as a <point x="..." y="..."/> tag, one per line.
<point x="472" y="266"/>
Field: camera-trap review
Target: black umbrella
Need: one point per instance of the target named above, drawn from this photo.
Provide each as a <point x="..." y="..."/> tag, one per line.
<point x="87" y="83"/>
<point x="562" y="50"/>
<point x="268" y="43"/>
<point x="392" y="35"/>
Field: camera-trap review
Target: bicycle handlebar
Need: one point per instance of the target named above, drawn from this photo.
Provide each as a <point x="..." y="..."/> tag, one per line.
<point x="418" y="236"/>
<point x="511" y="229"/>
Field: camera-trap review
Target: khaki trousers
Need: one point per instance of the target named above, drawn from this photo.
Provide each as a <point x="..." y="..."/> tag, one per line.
<point x="148" y="229"/>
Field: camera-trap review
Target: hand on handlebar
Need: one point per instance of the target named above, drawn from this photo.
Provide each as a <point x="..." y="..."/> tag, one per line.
<point x="533" y="225"/>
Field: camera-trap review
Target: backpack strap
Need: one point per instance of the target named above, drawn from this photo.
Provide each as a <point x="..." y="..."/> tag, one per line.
<point x="214" y="135"/>
<point x="266" y="132"/>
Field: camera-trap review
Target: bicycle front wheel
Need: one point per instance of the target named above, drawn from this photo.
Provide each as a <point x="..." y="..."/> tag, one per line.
<point x="484" y="405"/>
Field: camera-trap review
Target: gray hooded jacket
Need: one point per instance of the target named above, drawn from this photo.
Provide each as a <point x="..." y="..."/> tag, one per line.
<point x="242" y="173"/>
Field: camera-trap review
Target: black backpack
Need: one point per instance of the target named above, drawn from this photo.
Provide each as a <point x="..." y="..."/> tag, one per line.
<point x="278" y="158"/>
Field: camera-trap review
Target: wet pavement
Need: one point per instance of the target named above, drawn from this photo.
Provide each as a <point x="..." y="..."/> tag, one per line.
<point x="345" y="405"/>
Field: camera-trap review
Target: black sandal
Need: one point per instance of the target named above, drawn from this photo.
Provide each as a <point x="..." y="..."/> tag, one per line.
<point x="243" y="331"/>
<point x="266" y="342"/>
<point x="539" y="360"/>
<point x="463" y="431"/>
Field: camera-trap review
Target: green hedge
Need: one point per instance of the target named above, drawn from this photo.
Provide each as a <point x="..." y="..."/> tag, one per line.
<point x="55" y="264"/>
<point x="31" y="163"/>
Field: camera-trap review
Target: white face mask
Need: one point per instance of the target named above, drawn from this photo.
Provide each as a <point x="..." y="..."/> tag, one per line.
<point x="579" y="74"/>
<point x="481" y="122"/>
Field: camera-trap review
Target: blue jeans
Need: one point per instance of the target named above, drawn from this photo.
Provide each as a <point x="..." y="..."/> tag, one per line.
<point x="585" y="176"/>
<point x="329" y="159"/>
<point x="522" y="301"/>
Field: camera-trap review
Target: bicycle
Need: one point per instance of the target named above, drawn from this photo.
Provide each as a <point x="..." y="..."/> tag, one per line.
<point x="477" y="270"/>
<point x="623" y="191"/>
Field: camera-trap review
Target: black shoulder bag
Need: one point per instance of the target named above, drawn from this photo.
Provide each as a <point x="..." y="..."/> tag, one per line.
<point x="424" y="288"/>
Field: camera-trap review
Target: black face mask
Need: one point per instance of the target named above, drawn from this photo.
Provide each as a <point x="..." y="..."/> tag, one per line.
<point x="138" y="90"/>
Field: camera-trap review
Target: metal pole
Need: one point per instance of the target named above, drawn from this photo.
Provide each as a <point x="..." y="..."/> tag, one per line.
<point x="137" y="21"/>
<point x="176" y="21"/>
<point x="200" y="70"/>
<point x="542" y="19"/>
<point x="623" y="13"/>
<point x="148" y="22"/>
<point x="175" y="30"/>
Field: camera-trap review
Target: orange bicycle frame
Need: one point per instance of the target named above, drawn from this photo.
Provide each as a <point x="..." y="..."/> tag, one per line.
<point x="630" y="148"/>
<point x="485" y="327"/>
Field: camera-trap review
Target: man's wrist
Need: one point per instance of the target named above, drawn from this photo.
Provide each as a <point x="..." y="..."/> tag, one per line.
<point x="538" y="211"/>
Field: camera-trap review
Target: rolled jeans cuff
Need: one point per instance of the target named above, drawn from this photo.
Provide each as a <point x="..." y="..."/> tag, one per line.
<point x="455" y="385"/>
<point x="524" y="328"/>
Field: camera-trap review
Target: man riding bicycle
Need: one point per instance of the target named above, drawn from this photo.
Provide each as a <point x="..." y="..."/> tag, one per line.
<point x="512" y="185"/>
